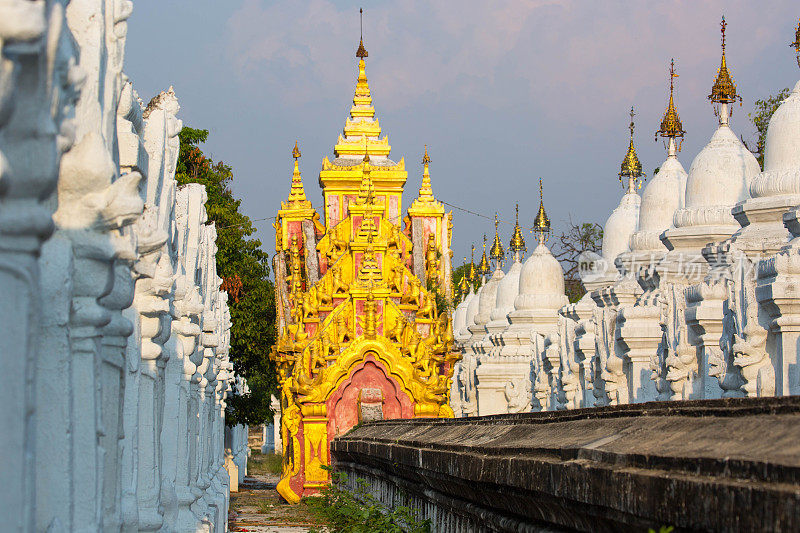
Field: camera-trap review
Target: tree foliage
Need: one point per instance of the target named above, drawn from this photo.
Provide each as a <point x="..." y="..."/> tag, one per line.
<point x="244" y="268"/>
<point x="577" y="239"/>
<point x="760" y="116"/>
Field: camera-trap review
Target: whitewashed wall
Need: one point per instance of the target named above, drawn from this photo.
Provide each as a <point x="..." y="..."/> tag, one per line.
<point x="115" y="335"/>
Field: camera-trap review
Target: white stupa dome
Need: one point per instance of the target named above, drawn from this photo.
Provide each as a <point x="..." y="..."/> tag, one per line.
<point x="470" y="304"/>
<point x="783" y="135"/>
<point x="619" y="227"/>
<point x="460" y="314"/>
<point x="488" y="295"/>
<point x="662" y="196"/>
<point x="507" y="291"/>
<point x="719" y="177"/>
<point x="541" y="282"/>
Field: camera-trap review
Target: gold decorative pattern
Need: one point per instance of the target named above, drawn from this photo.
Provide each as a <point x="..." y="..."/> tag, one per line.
<point x="631" y="168"/>
<point x="724" y="89"/>
<point x="517" y="243"/>
<point x="671" y="125"/>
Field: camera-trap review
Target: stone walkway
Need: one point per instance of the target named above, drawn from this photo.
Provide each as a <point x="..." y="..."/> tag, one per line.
<point x="258" y="507"/>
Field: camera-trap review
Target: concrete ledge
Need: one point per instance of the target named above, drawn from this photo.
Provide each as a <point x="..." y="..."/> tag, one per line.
<point x="724" y="465"/>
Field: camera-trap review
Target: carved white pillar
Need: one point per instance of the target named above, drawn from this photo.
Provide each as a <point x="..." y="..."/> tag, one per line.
<point x="38" y="84"/>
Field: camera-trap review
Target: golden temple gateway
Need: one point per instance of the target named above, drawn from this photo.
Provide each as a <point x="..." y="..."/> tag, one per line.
<point x="360" y="332"/>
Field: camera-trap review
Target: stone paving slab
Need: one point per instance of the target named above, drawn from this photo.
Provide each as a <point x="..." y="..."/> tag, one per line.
<point x="258" y="508"/>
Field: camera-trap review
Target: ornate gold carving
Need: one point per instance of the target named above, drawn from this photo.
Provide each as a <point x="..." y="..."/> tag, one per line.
<point x="671" y="125"/>
<point x="431" y="259"/>
<point x="631" y="168"/>
<point x="724" y="88"/>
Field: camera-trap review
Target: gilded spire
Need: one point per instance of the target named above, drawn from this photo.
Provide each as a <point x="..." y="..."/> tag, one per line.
<point x="297" y="195"/>
<point x="361" y="53"/>
<point x="671" y="125"/>
<point x="796" y="43"/>
<point x="496" y="252"/>
<point x="541" y="224"/>
<point x="517" y="243"/>
<point x="425" y="190"/>
<point x="631" y="168"/>
<point x="724" y="89"/>
<point x="473" y="276"/>
<point x="483" y="266"/>
<point x="463" y="286"/>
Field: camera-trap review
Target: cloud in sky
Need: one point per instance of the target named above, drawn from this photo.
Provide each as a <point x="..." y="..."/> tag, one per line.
<point x="502" y="91"/>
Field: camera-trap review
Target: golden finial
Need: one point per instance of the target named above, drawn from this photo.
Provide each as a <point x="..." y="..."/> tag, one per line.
<point x="361" y="53"/>
<point x="796" y="43"/>
<point x="724" y="89"/>
<point x="517" y="241"/>
<point x="463" y="286"/>
<point x="483" y="266"/>
<point x="473" y="276"/>
<point x="631" y="168"/>
<point x="425" y="190"/>
<point x="497" y="253"/>
<point x="671" y="125"/>
<point x="541" y="224"/>
<point x="297" y="194"/>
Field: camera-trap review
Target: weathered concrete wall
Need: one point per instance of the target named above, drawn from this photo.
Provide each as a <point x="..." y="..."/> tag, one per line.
<point x="722" y="465"/>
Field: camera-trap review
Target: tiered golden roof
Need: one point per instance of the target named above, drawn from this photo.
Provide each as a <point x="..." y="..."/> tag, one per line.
<point x="724" y="89"/>
<point x="631" y="167"/>
<point x="541" y="224"/>
<point x="796" y="43"/>
<point x="496" y="252"/>
<point x="297" y="194"/>
<point x="517" y="243"/>
<point x="483" y="266"/>
<point x="671" y="125"/>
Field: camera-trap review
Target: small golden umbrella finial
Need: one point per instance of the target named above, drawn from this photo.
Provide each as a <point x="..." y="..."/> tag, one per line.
<point x="724" y="89"/>
<point x="473" y="276"/>
<point x="296" y="152"/>
<point x="631" y="167"/>
<point x="671" y="126"/>
<point x="497" y="252"/>
<point x="483" y="266"/>
<point x="541" y="224"/>
<point x="796" y="43"/>
<point x="361" y="53"/>
<point x="517" y="244"/>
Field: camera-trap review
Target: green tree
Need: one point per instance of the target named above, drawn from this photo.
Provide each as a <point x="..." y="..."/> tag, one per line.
<point x="244" y="268"/>
<point x="760" y="119"/>
<point x="577" y="239"/>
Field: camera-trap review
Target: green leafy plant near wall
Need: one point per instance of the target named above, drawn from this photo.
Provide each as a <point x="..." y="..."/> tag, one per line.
<point x="345" y="511"/>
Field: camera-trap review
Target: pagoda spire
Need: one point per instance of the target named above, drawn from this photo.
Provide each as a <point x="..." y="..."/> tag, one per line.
<point x="473" y="276"/>
<point x="541" y="224"/>
<point x="671" y="126"/>
<point x="483" y="266"/>
<point x="425" y="190"/>
<point x="631" y="168"/>
<point x="496" y="252"/>
<point x="517" y="243"/>
<point x="464" y="284"/>
<point x="723" y="92"/>
<point x="796" y="44"/>
<point x="297" y="194"/>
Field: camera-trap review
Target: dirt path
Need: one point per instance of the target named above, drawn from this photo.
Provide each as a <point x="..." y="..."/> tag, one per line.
<point x="258" y="507"/>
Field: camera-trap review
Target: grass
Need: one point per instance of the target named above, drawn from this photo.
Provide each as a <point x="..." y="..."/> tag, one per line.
<point x="262" y="464"/>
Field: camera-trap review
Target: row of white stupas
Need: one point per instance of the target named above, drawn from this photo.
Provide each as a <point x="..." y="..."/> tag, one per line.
<point x="115" y="335"/>
<point x="704" y="301"/>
